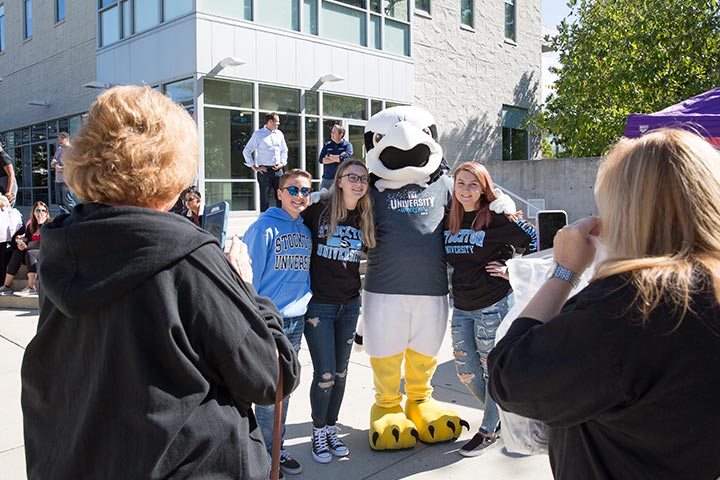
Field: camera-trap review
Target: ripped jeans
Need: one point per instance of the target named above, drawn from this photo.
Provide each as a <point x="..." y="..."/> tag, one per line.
<point x="329" y="332"/>
<point x="473" y="336"/>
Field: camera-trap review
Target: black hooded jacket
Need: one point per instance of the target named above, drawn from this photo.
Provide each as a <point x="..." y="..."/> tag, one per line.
<point x="149" y="352"/>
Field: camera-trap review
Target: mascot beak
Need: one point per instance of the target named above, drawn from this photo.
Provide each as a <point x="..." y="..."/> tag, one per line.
<point x="405" y="145"/>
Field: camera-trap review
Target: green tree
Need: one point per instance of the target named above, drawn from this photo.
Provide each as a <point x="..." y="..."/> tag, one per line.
<point x="627" y="56"/>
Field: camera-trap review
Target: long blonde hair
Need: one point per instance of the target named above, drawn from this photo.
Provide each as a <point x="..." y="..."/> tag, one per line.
<point x="336" y="212"/>
<point x="658" y="198"/>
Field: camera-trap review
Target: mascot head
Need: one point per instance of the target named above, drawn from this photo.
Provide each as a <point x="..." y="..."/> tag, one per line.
<point x="402" y="148"/>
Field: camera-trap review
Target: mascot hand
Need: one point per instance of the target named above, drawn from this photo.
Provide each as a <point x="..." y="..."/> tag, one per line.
<point x="390" y="429"/>
<point x="315" y="197"/>
<point x="503" y="204"/>
<point x="434" y="422"/>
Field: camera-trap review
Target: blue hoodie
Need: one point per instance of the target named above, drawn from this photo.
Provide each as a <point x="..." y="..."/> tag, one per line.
<point x="280" y="248"/>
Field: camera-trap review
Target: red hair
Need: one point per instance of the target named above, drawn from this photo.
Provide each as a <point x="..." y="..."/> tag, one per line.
<point x="482" y="218"/>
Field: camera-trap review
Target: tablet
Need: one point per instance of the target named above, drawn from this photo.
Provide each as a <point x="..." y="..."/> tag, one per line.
<point x="215" y="219"/>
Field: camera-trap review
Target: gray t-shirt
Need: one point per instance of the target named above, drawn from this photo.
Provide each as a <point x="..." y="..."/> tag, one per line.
<point x="409" y="259"/>
<point x="59" y="175"/>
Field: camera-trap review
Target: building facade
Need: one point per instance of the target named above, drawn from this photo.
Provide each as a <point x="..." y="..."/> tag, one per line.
<point x="474" y="64"/>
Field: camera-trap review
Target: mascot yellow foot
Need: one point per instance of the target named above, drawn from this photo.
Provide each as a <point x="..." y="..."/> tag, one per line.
<point x="434" y="422"/>
<point x="390" y="429"/>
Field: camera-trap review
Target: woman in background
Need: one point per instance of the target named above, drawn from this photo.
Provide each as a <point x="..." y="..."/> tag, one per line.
<point x="478" y="241"/>
<point x="341" y="227"/>
<point x="625" y="373"/>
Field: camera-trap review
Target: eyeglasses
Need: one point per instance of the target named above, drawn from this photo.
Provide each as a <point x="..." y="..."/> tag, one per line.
<point x="190" y="199"/>
<point x="293" y="190"/>
<point x="352" y="178"/>
<point x="40" y="210"/>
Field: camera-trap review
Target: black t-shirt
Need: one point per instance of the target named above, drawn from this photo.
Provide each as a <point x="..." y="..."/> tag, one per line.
<point x="468" y="252"/>
<point x="5" y="160"/>
<point x="335" y="261"/>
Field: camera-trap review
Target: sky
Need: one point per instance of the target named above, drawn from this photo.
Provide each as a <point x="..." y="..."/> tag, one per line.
<point x="553" y="11"/>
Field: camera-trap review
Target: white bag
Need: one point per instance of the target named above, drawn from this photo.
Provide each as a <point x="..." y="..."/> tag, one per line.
<point x="527" y="274"/>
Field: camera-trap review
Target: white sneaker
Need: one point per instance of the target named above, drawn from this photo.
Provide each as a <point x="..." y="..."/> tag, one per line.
<point x="27" y="292"/>
<point x="337" y="447"/>
<point x="320" y="449"/>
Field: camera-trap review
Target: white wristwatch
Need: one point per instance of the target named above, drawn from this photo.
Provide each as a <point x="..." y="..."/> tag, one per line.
<point x="558" y="271"/>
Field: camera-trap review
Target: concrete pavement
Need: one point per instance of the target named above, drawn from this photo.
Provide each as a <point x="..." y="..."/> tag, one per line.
<point x="442" y="461"/>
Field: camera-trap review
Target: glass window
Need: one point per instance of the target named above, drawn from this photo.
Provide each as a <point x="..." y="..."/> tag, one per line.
<point x="356" y="136"/>
<point x="27" y="16"/>
<point x="375" y="107"/>
<point x="226" y="134"/>
<point x="290" y="127"/>
<point x="397" y="37"/>
<point x="466" y="12"/>
<point x="59" y="10"/>
<point x="510" y="19"/>
<point x="375" y="5"/>
<point x="375" y="24"/>
<point x="343" y="24"/>
<point x="232" y="9"/>
<point x="353" y="3"/>
<point x="279" y="99"/>
<point x="234" y="94"/>
<point x="397" y="9"/>
<point x="38" y="132"/>
<point x="39" y="165"/>
<point x="147" y="14"/>
<point x="278" y="13"/>
<point x="2" y="28"/>
<point x="309" y="17"/>
<point x="312" y="148"/>
<point x="240" y="195"/>
<point x="514" y="133"/>
<point x="181" y="91"/>
<point x="110" y="26"/>
<point x="422" y="5"/>
<point x="175" y="8"/>
<point x="344" y="107"/>
<point x="126" y="19"/>
<point x="311" y="103"/>
<point x="107" y="3"/>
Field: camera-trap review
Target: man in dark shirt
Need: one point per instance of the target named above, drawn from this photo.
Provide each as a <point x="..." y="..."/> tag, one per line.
<point x="333" y="153"/>
<point x="8" y="185"/>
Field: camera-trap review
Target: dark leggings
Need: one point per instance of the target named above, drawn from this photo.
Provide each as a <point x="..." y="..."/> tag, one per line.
<point x="28" y="257"/>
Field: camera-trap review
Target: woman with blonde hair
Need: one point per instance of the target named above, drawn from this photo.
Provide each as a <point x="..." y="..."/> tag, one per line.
<point x="625" y="373"/>
<point x="150" y="347"/>
<point x="478" y="240"/>
<point x="342" y="226"/>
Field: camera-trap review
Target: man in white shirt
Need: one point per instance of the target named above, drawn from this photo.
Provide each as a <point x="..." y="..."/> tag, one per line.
<point x="271" y="155"/>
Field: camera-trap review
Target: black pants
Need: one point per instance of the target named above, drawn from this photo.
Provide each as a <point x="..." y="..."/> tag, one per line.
<point x="269" y="182"/>
<point x="28" y="256"/>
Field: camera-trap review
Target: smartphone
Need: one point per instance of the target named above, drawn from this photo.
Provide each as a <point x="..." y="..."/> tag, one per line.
<point x="215" y="220"/>
<point x="549" y="222"/>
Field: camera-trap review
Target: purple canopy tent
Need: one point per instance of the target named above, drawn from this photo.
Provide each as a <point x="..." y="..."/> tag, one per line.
<point x="701" y="110"/>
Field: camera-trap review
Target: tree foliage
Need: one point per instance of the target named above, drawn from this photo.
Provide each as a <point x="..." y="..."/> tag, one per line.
<point x="627" y="56"/>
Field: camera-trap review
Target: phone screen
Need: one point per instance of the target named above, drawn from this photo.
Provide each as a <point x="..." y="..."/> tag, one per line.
<point x="549" y="222"/>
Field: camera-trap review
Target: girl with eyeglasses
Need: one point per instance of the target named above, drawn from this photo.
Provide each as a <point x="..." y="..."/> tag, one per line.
<point x="478" y="241"/>
<point x="342" y="226"/>
<point x="28" y="251"/>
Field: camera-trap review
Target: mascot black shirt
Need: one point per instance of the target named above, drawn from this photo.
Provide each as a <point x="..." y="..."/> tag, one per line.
<point x="410" y="262"/>
<point x="468" y="252"/>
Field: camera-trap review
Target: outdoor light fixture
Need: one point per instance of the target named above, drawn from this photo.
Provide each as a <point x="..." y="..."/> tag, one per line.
<point x="226" y="62"/>
<point x="328" y="77"/>
<point x="40" y="103"/>
<point x="97" y="85"/>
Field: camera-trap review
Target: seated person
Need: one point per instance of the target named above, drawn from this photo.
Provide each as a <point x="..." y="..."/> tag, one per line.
<point x="10" y="223"/>
<point x="27" y="252"/>
<point x="192" y="199"/>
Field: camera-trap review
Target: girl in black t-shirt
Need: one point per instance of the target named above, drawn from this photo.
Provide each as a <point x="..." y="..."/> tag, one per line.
<point x="477" y="242"/>
<point x="341" y="227"/>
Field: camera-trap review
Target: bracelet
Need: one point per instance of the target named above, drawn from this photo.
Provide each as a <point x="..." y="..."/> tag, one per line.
<point x="566" y="274"/>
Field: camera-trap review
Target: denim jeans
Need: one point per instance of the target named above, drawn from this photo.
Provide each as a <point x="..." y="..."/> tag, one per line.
<point x="269" y="182"/>
<point x="473" y="336"/>
<point x="64" y="197"/>
<point x="293" y="327"/>
<point x="329" y="332"/>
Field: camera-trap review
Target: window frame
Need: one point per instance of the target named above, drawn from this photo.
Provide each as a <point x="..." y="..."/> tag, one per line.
<point x="27" y="19"/>
<point x="59" y="8"/>
<point x="2" y="27"/>
<point x="421" y="8"/>
<point x="507" y="122"/>
<point x="471" y="24"/>
<point x="512" y="3"/>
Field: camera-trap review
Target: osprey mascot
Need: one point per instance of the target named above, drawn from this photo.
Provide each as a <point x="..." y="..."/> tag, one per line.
<point x="405" y="297"/>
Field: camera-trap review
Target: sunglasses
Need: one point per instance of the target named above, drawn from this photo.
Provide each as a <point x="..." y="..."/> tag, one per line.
<point x="40" y="210"/>
<point x="293" y="190"/>
<point x="352" y="178"/>
<point x="190" y="199"/>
